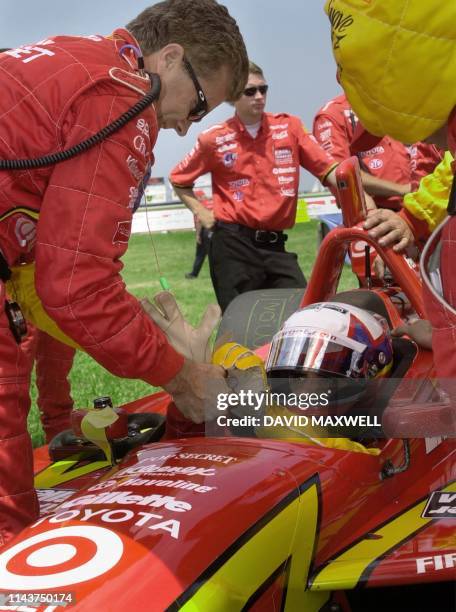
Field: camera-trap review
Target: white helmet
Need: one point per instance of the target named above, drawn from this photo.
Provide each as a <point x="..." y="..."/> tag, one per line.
<point x="332" y="339"/>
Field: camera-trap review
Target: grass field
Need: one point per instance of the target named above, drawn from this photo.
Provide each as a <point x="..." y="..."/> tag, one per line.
<point x="175" y="252"/>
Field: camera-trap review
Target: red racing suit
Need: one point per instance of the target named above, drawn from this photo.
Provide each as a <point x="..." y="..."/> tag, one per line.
<point x="255" y="181"/>
<point x="53" y="362"/>
<point x="74" y="220"/>
<point x="334" y="128"/>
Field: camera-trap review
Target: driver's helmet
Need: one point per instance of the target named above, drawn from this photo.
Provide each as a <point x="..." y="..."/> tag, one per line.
<point x="332" y="339"/>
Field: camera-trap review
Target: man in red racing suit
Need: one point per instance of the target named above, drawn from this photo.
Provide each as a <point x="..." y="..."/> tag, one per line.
<point x="53" y="362"/>
<point x="73" y="219"/>
<point x="338" y="130"/>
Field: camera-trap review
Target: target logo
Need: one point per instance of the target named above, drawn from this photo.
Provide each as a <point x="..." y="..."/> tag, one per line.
<point x="59" y="557"/>
<point x="357" y="248"/>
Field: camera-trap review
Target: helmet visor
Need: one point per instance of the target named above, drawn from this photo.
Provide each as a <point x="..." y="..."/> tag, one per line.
<point x="312" y="350"/>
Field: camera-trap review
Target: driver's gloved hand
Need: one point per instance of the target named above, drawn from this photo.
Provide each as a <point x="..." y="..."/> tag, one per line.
<point x="192" y="342"/>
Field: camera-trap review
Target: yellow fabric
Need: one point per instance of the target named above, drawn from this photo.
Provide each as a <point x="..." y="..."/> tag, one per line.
<point x="232" y="355"/>
<point x="397" y="63"/>
<point x="429" y="203"/>
<point x="235" y="356"/>
<point x="21" y="287"/>
<point x="308" y="435"/>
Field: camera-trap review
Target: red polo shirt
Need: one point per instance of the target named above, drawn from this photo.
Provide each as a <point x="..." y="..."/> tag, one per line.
<point x="255" y="181"/>
<point x="334" y="127"/>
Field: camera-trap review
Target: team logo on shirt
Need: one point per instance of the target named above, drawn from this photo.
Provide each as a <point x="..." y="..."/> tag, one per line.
<point x="283" y="156"/>
<point x="229" y="159"/>
<point x="375" y="164"/>
<point x="238" y="196"/>
<point x="122" y="233"/>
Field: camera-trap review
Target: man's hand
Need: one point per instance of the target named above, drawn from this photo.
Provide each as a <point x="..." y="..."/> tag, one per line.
<point x="420" y="331"/>
<point x="206" y="217"/>
<point x="370" y="202"/>
<point x="390" y="228"/>
<point x="195" y="389"/>
<point x="191" y="342"/>
<point x="379" y="267"/>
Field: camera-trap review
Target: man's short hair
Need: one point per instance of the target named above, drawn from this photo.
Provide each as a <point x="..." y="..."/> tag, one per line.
<point x="208" y="33"/>
<point x="255" y="69"/>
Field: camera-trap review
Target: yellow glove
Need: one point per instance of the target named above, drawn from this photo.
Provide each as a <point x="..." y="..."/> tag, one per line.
<point x="245" y="370"/>
<point x="193" y="343"/>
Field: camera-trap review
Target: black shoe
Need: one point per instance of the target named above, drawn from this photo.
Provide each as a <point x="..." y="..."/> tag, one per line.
<point x="190" y="275"/>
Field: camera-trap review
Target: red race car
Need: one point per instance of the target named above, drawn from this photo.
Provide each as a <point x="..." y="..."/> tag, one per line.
<point x="237" y="523"/>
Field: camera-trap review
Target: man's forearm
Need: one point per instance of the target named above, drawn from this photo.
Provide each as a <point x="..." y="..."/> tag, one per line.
<point x="381" y="187"/>
<point x="187" y="196"/>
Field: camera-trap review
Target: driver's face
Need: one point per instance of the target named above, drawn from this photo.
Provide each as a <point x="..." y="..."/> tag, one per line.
<point x="179" y="96"/>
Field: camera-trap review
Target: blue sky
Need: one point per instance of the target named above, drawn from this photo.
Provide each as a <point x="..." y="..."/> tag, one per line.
<point x="289" y="39"/>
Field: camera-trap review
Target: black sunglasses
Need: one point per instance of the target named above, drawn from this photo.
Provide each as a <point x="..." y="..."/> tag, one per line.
<point x="201" y="108"/>
<point x="251" y="91"/>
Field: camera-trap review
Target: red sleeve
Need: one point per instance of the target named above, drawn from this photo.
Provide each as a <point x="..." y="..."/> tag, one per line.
<point x="83" y="232"/>
<point x="419" y="227"/>
<point x="331" y="136"/>
<point x="194" y="164"/>
<point x="312" y="156"/>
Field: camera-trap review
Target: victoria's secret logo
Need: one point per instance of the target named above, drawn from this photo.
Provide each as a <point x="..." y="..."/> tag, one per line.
<point x="339" y="24"/>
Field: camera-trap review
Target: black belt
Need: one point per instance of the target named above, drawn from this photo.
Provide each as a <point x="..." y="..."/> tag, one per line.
<point x="259" y="236"/>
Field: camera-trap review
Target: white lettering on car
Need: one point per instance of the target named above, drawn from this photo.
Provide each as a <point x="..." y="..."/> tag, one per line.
<point x="436" y="563"/>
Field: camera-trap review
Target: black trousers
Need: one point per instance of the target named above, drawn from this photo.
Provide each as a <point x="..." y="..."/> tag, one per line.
<point x="238" y="264"/>
<point x="202" y="248"/>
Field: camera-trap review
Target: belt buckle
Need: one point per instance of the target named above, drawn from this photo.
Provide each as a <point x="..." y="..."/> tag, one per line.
<point x="266" y="237"/>
<point x="261" y="236"/>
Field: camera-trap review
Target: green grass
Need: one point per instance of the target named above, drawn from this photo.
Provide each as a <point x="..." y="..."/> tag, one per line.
<point x="175" y="252"/>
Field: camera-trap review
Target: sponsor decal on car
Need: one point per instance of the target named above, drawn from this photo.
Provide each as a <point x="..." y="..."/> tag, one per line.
<point x="146" y="467"/>
<point x="441" y="504"/>
<point x="128" y="498"/>
<point x="149" y="520"/>
<point x="60" y="557"/>
<point x="157" y="482"/>
<point x="49" y="499"/>
<point x="436" y="563"/>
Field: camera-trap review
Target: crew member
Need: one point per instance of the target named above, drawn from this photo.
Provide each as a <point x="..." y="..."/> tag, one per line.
<point x="72" y="220"/>
<point x="408" y="93"/>
<point x="335" y="126"/>
<point x="53" y="362"/>
<point x="254" y="160"/>
<point x="203" y="237"/>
